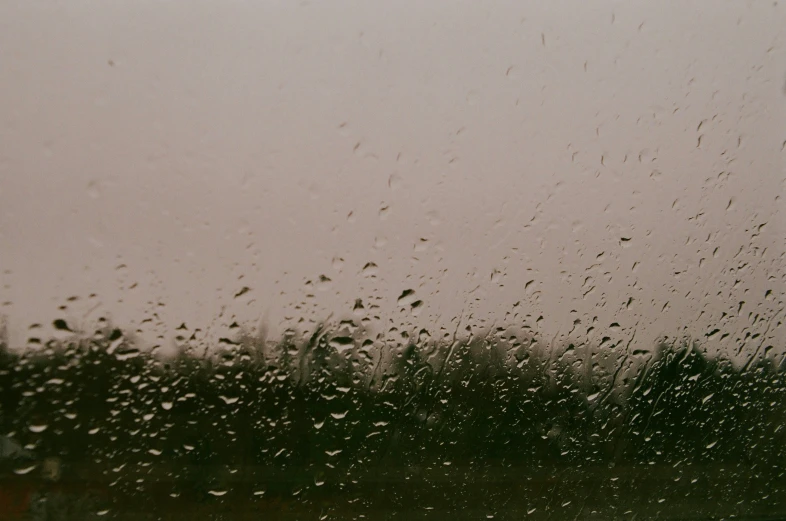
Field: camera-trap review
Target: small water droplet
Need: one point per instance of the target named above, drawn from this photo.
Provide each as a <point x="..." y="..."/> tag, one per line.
<point x="93" y="190"/>
<point x="243" y="291"/>
<point x="342" y="343"/>
<point x="41" y="427"/>
<point x="394" y="181"/>
<point x="369" y="270"/>
<point x="324" y="283"/>
<point x="406" y="298"/>
<point x="61" y="325"/>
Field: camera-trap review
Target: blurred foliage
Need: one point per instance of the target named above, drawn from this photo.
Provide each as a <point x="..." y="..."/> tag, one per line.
<point x="335" y="414"/>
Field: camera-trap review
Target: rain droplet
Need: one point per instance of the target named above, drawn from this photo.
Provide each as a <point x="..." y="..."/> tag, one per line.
<point x="93" y="188"/>
<point x="38" y="427"/>
<point x="394" y="181"/>
<point x="324" y="283"/>
<point x="370" y="270"/>
<point x="342" y="343"/>
<point x="406" y="298"/>
<point x="61" y="325"/>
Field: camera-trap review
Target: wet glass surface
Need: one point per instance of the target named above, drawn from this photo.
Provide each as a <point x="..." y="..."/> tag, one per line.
<point x="409" y="260"/>
<point x="329" y="424"/>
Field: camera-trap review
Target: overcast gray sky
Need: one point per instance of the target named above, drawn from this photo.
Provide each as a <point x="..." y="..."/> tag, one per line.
<point x="611" y="162"/>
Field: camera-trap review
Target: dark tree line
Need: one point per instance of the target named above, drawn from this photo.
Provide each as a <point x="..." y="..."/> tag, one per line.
<point x="322" y="414"/>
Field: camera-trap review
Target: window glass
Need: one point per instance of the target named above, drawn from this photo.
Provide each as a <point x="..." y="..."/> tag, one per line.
<point x="392" y="260"/>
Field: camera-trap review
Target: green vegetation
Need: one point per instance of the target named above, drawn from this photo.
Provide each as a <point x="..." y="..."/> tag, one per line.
<point x="328" y="425"/>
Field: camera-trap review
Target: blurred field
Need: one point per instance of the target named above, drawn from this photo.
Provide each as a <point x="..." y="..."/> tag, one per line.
<point x="463" y="493"/>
